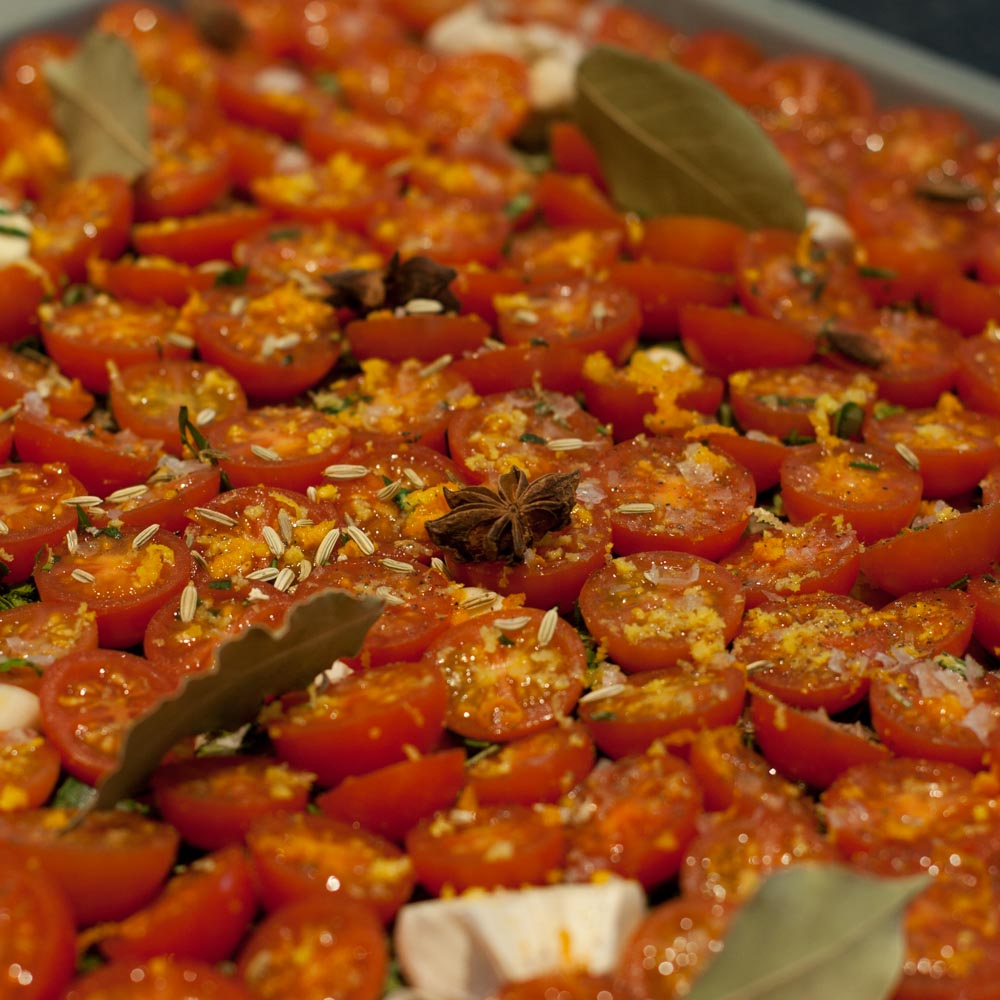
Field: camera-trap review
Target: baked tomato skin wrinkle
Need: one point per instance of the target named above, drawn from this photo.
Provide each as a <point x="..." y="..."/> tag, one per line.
<point x="487" y="847"/>
<point x="81" y="219"/>
<point x="785" y="275"/>
<point x="83" y="338"/>
<point x="734" y="776"/>
<point x="163" y="976"/>
<point x="89" y="699"/>
<point x="783" y="401"/>
<point x="727" y="862"/>
<point x="37" y="951"/>
<point x="809" y="746"/>
<point x="927" y="623"/>
<point x="670" y="949"/>
<point x="279" y="445"/>
<point x="509" y="673"/>
<point x="202" y="913"/>
<point x="901" y="805"/>
<point x="811" y="652"/>
<point x="871" y="487"/>
<point x="954" y="447"/>
<point x="277" y="343"/>
<point x="173" y="488"/>
<point x="363" y="722"/>
<point x="557" y="566"/>
<point x="940" y="708"/>
<point x="517" y="428"/>
<point x="122" y="582"/>
<point x="724" y="341"/>
<point x="104" y="461"/>
<point x="298" y="855"/>
<point x="935" y="551"/>
<point x="33" y="509"/>
<point x="587" y="315"/>
<point x="110" y="864"/>
<point x="651" y="610"/>
<point x="395" y="338"/>
<point x="668" y="704"/>
<point x="410" y="402"/>
<point x="419" y="605"/>
<point x="540" y="767"/>
<point x="918" y="356"/>
<point x="229" y="539"/>
<point x="781" y="560"/>
<point x="32" y="636"/>
<point x="392" y="800"/>
<point x="328" y="946"/>
<point x="146" y="398"/>
<point x="978" y="374"/>
<point x="632" y="817"/>
<point x="700" y="498"/>
<point x="23" y="371"/>
<point x="213" y="801"/>
<point x="197" y="239"/>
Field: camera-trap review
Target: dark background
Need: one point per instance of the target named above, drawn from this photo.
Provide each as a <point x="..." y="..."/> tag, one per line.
<point x="967" y="31"/>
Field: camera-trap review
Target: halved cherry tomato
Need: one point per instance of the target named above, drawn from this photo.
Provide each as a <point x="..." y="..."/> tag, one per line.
<point x="88" y="699"/>
<point x="166" y="976"/>
<point x="213" y="801"/>
<point x="37" y="954"/>
<point x="202" y="913"/>
<point x="573" y="153"/>
<point x="810" y="88"/>
<point x="34" y="511"/>
<point x="979" y="374"/>
<point x="568" y="200"/>
<point x="669" y="704"/>
<point x="301" y="855"/>
<point x="968" y="306"/>
<point x="493" y="369"/>
<point x="149" y="280"/>
<point x="651" y="610"/>
<point x="810" y="746"/>
<point x="146" y="398"/>
<point x="393" y="799"/>
<point x="23" y="76"/>
<point x="330" y="945"/>
<point x="540" y="767"/>
<point x="692" y="241"/>
<point x="375" y="141"/>
<point x="927" y="622"/>
<point x="985" y="593"/>
<point x="29" y="769"/>
<point x="32" y="636"/>
<point x="935" y="552"/>
<point x="487" y="847"/>
<point x="362" y="723"/>
<point x="869" y="486"/>
<point x="632" y="817"/>
<point x="23" y="371"/>
<point x="427" y="338"/>
<point x="173" y="488"/>
<point x="812" y="651"/>
<point x="491" y="181"/>
<point x="121" y="579"/>
<point x="563" y="254"/>
<point x="197" y="239"/>
<point x="109" y="863"/>
<point x="508" y="674"/>
<point x="24" y="286"/>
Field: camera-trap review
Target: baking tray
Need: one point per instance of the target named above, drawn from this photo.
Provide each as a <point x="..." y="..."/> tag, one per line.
<point x="898" y="71"/>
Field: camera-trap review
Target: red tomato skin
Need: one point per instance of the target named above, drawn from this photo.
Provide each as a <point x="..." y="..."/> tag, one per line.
<point x="162" y="976"/>
<point x="37" y="952"/>
<point x="108" y="867"/>
<point x="22" y="291"/>
<point x="393" y="799"/>
<point x="968" y="306"/>
<point x="804" y="747"/>
<point x="692" y="241"/>
<point x="206" y="923"/>
<point x="29" y="764"/>
<point x="424" y="337"/>
<point x="938" y="556"/>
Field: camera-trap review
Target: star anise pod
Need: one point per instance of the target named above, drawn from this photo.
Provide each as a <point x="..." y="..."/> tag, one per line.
<point x="393" y="286"/>
<point x="485" y="524"/>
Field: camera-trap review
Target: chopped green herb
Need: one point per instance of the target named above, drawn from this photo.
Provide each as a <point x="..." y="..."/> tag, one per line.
<point x="328" y="82"/>
<point x="221" y="584"/>
<point x="953" y="663"/>
<point x="77" y="293"/>
<point x="796" y="438"/>
<point x="18" y="661"/>
<point x="505" y="640"/>
<point x="291" y="233"/>
<point x="14" y="231"/>
<point x="868" y="466"/>
<point x="232" y="277"/>
<point x="867" y="271"/>
<point x="772" y="399"/>
<point x="518" y="205"/>
<point x="882" y="410"/>
<point x="23" y="593"/>
<point x="538" y="342"/>
<point x="73" y="794"/>
<point x="603" y="716"/>
<point x="528" y="438"/>
<point x="960" y="583"/>
<point x="847" y="420"/>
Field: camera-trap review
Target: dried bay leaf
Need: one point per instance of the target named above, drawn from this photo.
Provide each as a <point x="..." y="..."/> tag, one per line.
<point x="824" y="932"/>
<point x="671" y="143"/>
<point x="100" y="104"/>
<point x="248" y="668"/>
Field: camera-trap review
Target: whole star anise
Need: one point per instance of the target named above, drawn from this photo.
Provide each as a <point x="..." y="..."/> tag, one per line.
<point x="392" y="286"/>
<point x="485" y="524"/>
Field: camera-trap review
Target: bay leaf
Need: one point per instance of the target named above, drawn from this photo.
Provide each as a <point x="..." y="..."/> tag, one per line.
<point x="824" y="932"/>
<point x="671" y="143"/>
<point x="257" y="664"/>
<point x="100" y="105"/>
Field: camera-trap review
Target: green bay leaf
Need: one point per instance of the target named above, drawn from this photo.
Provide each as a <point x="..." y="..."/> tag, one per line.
<point x="670" y="143"/>
<point x="824" y="932"/>
<point x="257" y="664"/>
<point x="100" y="104"/>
